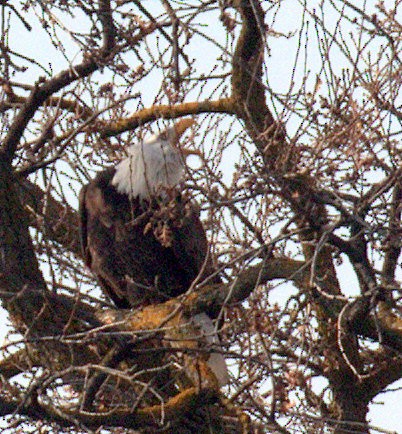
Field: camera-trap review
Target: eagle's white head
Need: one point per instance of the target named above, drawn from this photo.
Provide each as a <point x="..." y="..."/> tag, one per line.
<point x="154" y="164"/>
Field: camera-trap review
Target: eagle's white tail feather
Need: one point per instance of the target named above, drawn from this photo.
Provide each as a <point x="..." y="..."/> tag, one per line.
<point x="216" y="361"/>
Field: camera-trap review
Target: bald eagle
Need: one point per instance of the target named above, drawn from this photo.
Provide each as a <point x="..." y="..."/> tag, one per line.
<point x="141" y="237"/>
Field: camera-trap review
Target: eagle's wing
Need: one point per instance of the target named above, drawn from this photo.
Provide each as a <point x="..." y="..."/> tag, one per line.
<point x="190" y="247"/>
<point x="97" y="235"/>
<point x="83" y="226"/>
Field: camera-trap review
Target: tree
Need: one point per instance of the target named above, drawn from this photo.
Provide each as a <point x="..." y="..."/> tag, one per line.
<point x="301" y="181"/>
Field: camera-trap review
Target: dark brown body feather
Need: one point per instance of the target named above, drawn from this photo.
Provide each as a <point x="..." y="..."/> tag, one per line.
<point x="139" y="253"/>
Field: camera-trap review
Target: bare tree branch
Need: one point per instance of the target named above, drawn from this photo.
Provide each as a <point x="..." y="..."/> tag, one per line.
<point x="43" y="89"/>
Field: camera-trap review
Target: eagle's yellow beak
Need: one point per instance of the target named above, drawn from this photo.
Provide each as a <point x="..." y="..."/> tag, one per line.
<point x="180" y="127"/>
<point x="186" y="152"/>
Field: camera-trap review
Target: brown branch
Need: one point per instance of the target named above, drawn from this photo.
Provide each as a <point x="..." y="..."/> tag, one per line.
<point x="389" y="371"/>
<point x="45" y="88"/>
<point x="167" y="319"/>
<point x="390" y="324"/>
<point x="73" y="106"/>
<point x="356" y="250"/>
<point x="141" y="117"/>
<point x="297" y="188"/>
<point x="59" y="221"/>
<point x="41" y="92"/>
<point x="16" y="363"/>
<point x="393" y="240"/>
<point x="208" y="298"/>
<point x="18" y="264"/>
<point x="51" y="345"/>
<point x="180" y="405"/>
<point x="38" y="313"/>
<point x="108" y="31"/>
<point x="22" y="287"/>
<point x="379" y="29"/>
<point x="248" y="90"/>
<point x="385" y="328"/>
<point x="269" y="137"/>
